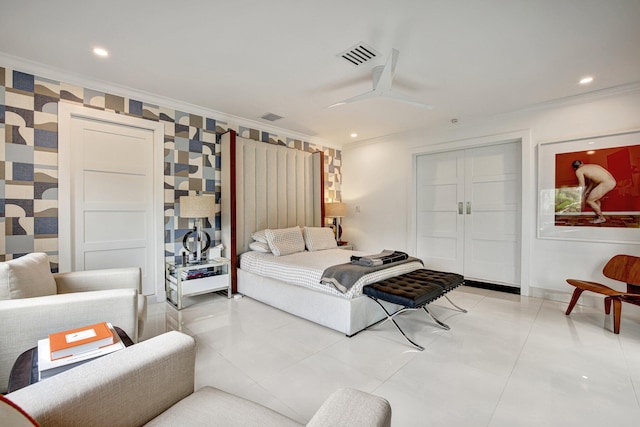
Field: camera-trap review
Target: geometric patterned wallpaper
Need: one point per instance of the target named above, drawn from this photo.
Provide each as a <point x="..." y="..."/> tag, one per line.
<point x="29" y="164"/>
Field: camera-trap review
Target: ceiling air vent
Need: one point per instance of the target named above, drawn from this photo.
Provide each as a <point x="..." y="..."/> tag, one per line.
<point x="359" y="54"/>
<point x="271" y="117"/>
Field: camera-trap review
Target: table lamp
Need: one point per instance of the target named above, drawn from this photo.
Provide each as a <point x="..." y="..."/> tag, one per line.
<point x="336" y="211"/>
<point x="197" y="207"/>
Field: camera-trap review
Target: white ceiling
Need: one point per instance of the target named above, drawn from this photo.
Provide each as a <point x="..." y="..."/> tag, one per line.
<point x="469" y="58"/>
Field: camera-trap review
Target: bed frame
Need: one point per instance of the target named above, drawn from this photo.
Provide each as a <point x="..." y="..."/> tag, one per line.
<point x="272" y="186"/>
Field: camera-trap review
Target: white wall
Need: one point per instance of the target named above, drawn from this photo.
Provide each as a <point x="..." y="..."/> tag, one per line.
<point x="378" y="176"/>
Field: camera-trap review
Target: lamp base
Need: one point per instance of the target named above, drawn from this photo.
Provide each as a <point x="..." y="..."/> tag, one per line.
<point x="199" y="250"/>
<point x="337" y="229"/>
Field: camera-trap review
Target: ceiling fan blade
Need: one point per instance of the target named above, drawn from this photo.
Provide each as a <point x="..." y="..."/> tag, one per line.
<point x="382" y="79"/>
<point x="397" y="96"/>
<point x="362" y="96"/>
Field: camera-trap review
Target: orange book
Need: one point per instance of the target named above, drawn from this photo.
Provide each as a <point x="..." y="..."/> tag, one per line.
<point x="80" y="340"/>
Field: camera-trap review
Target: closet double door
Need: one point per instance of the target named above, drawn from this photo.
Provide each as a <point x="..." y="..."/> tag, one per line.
<point x="468" y="212"/>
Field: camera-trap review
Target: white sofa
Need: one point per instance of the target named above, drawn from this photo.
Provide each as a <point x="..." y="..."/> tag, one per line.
<point x="152" y="383"/>
<point x="34" y="303"/>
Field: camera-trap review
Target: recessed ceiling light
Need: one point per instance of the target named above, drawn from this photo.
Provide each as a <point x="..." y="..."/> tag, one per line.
<point x="586" y="80"/>
<point x="354" y="135"/>
<point x="98" y="51"/>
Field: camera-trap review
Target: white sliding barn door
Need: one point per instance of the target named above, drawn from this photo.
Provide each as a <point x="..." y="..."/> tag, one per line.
<point x="468" y="212"/>
<point x="113" y="203"/>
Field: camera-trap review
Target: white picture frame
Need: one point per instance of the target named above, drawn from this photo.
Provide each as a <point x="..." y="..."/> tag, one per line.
<point x="548" y="227"/>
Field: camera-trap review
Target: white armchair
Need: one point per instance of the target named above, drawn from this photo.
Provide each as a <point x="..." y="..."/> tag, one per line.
<point x="152" y="384"/>
<point x="34" y="303"/>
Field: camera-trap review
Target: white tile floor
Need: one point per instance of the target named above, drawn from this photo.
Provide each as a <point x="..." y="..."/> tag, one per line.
<point x="510" y="361"/>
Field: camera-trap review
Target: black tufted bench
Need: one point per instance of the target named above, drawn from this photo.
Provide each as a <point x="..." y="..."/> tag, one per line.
<point x="414" y="291"/>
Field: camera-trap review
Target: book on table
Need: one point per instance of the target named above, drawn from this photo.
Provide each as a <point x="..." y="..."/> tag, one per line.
<point x="48" y="367"/>
<point x="80" y="340"/>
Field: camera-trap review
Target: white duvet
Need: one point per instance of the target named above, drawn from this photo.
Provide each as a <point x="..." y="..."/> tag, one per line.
<point x="306" y="268"/>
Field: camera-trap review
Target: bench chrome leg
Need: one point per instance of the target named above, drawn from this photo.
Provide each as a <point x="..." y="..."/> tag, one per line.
<point x="435" y="319"/>
<point x="391" y="317"/>
<point x="456" y="306"/>
<point x="418" y="346"/>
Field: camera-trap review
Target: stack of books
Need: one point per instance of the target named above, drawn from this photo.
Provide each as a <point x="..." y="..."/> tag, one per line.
<point x="196" y="273"/>
<point x="64" y="350"/>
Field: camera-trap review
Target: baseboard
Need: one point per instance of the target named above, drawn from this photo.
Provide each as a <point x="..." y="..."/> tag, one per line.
<point x="492" y="286"/>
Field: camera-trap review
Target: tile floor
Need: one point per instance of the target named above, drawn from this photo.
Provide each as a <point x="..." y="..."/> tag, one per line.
<point x="510" y="361"/>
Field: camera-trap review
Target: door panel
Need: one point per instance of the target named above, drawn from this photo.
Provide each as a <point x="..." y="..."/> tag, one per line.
<point x="439" y="226"/>
<point x="493" y="186"/>
<point x="112" y="197"/>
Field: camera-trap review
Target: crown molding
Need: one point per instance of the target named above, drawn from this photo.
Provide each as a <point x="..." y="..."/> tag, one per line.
<point x="53" y="73"/>
<point x="595" y="95"/>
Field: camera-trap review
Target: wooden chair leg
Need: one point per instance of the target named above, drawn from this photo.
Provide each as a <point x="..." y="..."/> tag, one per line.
<point x="574" y="300"/>
<point x="617" y="312"/>
<point x="607" y="305"/>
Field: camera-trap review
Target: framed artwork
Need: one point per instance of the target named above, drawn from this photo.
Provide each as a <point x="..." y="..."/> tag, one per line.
<point x="589" y="189"/>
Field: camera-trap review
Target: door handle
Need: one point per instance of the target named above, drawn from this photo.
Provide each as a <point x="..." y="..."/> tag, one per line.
<point x="468" y="208"/>
<point x="460" y="208"/>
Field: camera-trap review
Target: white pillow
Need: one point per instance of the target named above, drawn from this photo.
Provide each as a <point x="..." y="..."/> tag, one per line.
<point x="26" y="277"/>
<point x="260" y="247"/>
<point x="319" y="238"/>
<point x="259" y="236"/>
<point x="285" y="241"/>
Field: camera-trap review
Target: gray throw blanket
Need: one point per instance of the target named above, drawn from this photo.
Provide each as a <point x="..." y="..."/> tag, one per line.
<point x="344" y="276"/>
<point x="384" y="257"/>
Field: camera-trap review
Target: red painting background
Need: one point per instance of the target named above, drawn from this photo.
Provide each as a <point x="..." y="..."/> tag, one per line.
<point x="622" y="162"/>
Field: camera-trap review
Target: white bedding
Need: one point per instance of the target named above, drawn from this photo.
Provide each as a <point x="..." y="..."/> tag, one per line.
<point x="306" y="268"/>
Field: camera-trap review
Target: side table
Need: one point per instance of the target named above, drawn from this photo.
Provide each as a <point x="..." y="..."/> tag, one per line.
<point x="25" y="369"/>
<point x="195" y="278"/>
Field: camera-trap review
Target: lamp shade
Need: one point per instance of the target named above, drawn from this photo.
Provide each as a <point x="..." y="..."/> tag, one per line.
<point x="334" y="210"/>
<point x="197" y="206"/>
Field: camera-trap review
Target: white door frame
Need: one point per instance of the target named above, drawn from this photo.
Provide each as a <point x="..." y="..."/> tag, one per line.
<point x="527" y="198"/>
<point x="66" y="112"/>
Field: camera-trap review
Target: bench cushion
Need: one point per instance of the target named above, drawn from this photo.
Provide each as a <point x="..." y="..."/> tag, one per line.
<point x="414" y="289"/>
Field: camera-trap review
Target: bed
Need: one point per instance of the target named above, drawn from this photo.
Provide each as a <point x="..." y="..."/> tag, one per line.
<point x="271" y="187"/>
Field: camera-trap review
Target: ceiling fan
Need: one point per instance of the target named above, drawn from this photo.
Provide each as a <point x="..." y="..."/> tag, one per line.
<point x="382" y="79"/>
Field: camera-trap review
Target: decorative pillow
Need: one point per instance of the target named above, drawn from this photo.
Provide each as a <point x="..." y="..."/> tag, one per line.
<point x="26" y="277"/>
<point x="285" y="241"/>
<point x="319" y="238"/>
<point x="13" y="415"/>
<point x="260" y="247"/>
<point x="260" y="236"/>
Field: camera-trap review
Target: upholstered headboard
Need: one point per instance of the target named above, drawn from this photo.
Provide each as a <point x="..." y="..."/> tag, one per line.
<point x="266" y="186"/>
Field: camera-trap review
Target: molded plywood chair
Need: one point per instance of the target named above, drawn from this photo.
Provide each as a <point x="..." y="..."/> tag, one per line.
<point x="625" y="268"/>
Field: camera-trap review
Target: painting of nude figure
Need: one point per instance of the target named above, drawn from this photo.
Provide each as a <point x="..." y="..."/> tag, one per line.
<point x="598" y="188"/>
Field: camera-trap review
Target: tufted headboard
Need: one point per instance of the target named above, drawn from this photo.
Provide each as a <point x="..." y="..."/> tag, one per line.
<point x="266" y="186"/>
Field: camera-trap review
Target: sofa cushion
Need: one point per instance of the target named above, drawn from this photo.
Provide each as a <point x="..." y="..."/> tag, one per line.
<point x="12" y="415"/>
<point x="26" y="277"/>
<point x="209" y="406"/>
